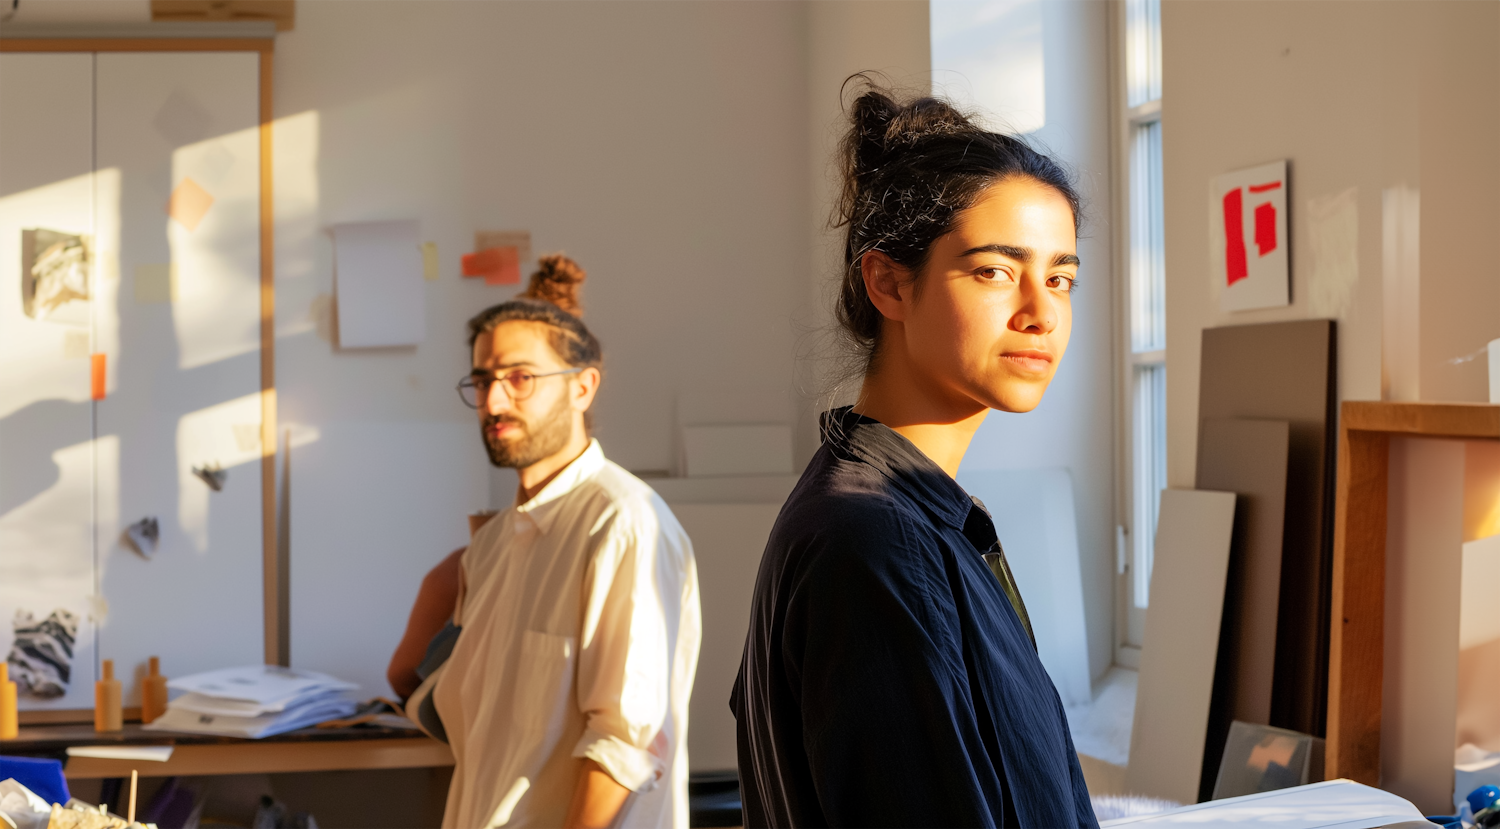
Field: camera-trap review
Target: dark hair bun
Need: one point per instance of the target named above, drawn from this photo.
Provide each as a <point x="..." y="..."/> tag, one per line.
<point x="558" y="280"/>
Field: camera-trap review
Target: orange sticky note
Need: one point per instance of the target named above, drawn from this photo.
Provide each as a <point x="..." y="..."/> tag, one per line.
<point x="189" y="204"/>
<point x="498" y="266"/>
<point x="97" y="380"/>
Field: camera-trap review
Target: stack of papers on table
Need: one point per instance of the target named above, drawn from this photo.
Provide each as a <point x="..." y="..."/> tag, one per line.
<point x="1340" y="804"/>
<point x="254" y="701"/>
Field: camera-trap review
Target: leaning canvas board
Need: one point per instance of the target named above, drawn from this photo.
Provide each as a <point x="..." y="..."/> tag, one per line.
<point x="1247" y="457"/>
<point x="1189" y="567"/>
<point x="1034" y="518"/>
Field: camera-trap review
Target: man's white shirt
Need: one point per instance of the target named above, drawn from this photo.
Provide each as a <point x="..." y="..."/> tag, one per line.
<point x="580" y="638"/>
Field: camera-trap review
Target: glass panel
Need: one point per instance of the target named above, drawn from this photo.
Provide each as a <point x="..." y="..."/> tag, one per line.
<point x="1142" y="51"/>
<point x="1148" y="280"/>
<point x="1150" y="461"/>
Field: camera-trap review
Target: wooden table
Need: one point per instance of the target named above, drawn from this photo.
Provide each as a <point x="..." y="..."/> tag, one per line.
<point x="309" y="749"/>
<point x="1356" y="654"/>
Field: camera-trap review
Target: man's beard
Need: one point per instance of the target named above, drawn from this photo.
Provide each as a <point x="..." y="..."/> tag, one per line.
<point x="541" y="440"/>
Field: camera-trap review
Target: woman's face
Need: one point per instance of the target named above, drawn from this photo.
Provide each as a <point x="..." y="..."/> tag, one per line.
<point x="992" y="311"/>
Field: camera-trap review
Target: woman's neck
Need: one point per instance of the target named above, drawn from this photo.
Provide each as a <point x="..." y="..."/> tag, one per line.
<point x="940" y="424"/>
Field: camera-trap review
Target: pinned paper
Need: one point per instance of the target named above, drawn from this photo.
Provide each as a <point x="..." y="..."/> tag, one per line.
<point x="213" y="475"/>
<point x="214" y="163"/>
<point x="155" y="283"/>
<point x="518" y="239"/>
<point x="429" y="261"/>
<point x="97" y="378"/>
<point x="247" y="436"/>
<point x="143" y="535"/>
<point x="378" y="280"/>
<point x="189" y="204"/>
<point x="55" y="275"/>
<point x="1248" y="238"/>
<point x="498" y="266"/>
<point x="182" y="120"/>
<point x="75" y="345"/>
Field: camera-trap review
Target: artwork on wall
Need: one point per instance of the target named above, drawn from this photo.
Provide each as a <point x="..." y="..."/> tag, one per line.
<point x="1248" y="238"/>
<point x="55" y="275"/>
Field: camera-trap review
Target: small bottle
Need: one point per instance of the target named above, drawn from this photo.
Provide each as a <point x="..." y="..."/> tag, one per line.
<point x="108" y="714"/>
<point x="153" y="693"/>
<point x="10" y="721"/>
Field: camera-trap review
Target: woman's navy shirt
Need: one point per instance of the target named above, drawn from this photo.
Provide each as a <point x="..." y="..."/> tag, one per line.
<point x="886" y="679"/>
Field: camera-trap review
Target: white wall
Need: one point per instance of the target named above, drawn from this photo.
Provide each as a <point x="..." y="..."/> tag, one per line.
<point x="663" y="145"/>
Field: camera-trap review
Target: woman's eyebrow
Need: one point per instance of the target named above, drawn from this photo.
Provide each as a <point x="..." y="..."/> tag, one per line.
<point x="1022" y="254"/>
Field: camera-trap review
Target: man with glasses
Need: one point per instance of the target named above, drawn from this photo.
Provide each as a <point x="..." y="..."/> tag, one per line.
<point x="575" y="620"/>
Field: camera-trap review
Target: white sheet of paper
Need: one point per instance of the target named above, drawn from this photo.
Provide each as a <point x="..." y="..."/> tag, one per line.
<point x="378" y="284"/>
<point x="153" y="754"/>
<point x="1335" y="803"/>
<point x="1181" y="648"/>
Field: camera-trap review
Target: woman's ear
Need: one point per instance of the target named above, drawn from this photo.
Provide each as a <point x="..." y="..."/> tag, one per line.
<point x="887" y="285"/>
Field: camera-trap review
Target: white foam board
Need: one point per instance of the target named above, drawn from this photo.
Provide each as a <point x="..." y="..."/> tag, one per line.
<point x="1189" y="568"/>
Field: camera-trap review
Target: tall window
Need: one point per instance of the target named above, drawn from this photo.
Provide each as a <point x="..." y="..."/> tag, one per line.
<point x="1147" y="367"/>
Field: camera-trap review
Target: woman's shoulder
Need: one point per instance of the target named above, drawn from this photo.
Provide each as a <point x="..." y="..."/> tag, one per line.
<point x="846" y="508"/>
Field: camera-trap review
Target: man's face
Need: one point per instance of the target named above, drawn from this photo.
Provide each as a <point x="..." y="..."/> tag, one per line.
<point x="519" y="433"/>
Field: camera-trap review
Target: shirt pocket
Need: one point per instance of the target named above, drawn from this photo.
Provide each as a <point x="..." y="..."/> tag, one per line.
<point x="544" y="686"/>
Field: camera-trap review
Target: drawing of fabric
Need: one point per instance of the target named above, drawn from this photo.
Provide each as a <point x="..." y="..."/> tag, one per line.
<point x="41" y="658"/>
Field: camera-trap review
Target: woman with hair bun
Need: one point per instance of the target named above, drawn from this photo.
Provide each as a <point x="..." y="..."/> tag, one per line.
<point x="890" y="676"/>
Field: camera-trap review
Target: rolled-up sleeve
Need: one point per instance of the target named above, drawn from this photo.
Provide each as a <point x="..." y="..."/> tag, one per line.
<point x="624" y="667"/>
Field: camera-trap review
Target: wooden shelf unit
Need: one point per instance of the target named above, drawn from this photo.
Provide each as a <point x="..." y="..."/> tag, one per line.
<point x="1356" y="655"/>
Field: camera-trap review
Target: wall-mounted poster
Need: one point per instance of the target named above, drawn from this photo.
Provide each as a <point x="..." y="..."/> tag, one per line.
<point x="1248" y="238"/>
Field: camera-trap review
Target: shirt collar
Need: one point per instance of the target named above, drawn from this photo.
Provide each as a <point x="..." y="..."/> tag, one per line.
<point x="856" y="437"/>
<point x="543" y="506"/>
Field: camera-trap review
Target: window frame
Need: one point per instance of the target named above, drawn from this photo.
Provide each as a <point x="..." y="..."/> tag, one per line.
<point x="1126" y="120"/>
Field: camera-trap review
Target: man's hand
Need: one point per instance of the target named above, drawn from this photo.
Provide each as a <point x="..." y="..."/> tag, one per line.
<point x="597" y="800"/>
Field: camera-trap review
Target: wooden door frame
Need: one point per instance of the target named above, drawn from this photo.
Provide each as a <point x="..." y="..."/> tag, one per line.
<point x="276" y="586"/>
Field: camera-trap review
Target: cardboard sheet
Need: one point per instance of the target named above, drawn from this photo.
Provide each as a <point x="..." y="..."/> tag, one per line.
<point x="378" y="282"/>
<point x="1284" y="371"/>
<point x="1178" y="655"/>
<point x="1246" y="457"/>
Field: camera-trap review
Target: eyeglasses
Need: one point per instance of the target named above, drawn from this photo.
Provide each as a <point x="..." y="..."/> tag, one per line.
<point x="519" y="384"/>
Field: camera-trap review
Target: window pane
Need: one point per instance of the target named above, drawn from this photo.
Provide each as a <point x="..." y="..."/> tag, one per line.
<point x="1142" y="51"/>
<point x="1148" y="280"/>
<point x="1150" y="461"/>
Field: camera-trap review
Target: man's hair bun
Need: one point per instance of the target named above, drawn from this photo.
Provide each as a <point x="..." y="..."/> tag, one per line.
<point x="558" y="280"/>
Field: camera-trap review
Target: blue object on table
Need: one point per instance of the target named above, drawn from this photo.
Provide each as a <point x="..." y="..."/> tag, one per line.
<point x="44" y="777"/>
<point x="1483" y="797"/>
<point x="1447" y="821"/>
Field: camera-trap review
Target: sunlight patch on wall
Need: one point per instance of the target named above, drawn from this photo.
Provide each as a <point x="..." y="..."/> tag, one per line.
<point x="988" y="55"/>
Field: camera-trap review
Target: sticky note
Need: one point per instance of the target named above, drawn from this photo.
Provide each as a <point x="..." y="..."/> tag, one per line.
<point x="429" y="261"/>
<point x="155" y="283"/>
<point x="498" y="266"/>
<point x="518" y="239"/>
<point x="75" y="345"/>
<point x="189" y="204"/>
<point x="97" y="377"/>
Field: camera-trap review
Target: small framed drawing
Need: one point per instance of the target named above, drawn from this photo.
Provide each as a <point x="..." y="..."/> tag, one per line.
<point x="1248" y="238"/>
